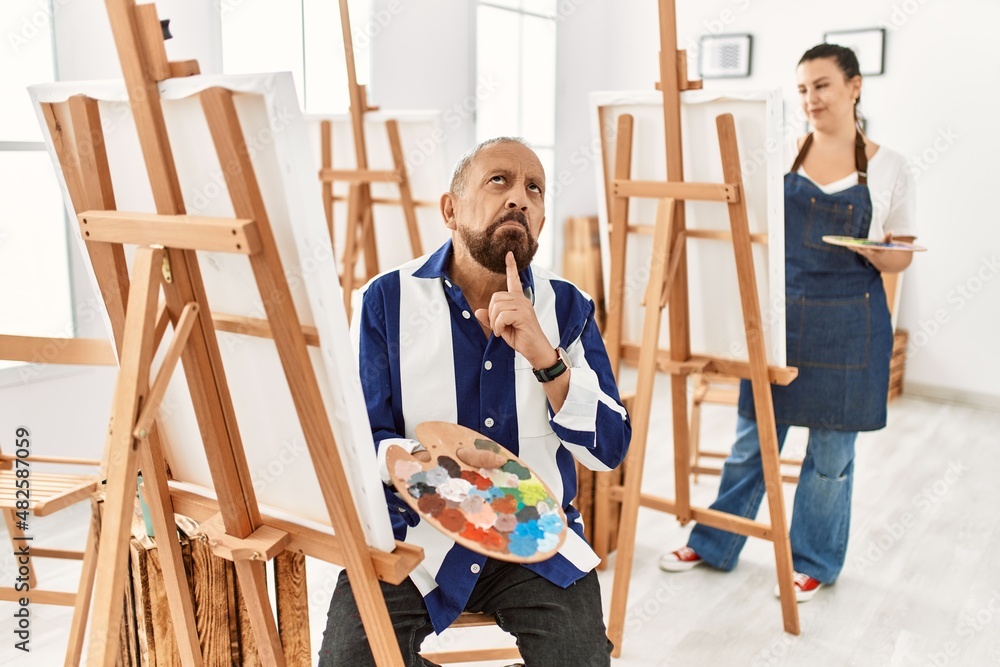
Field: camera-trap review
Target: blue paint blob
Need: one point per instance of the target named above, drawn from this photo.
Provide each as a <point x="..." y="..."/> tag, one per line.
<point x="522" y="546"/>
<point x="550" y="523"/>
<point x="529" y="529"/>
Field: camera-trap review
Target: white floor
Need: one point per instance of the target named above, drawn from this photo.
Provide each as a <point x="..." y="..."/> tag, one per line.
<point x="921" y="585"/>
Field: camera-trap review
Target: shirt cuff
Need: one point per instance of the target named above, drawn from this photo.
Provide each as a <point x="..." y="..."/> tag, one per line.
<point x="579" y="410"/>
<point x="406" y="443"/>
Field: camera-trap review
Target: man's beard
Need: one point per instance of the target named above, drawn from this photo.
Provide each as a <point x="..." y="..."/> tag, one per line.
<point x="489" y="247"/>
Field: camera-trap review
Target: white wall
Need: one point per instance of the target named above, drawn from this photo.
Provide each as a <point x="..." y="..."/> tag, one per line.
<point x="935" y="104"/>
<point x="423" y="57"/>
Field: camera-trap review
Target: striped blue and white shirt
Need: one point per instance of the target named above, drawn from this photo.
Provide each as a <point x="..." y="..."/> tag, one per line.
<point x="424" y="357"/>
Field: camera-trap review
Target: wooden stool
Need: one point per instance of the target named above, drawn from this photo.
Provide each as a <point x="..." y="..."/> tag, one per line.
<point x="468" y="620"/>
<point x="717" y="389"/>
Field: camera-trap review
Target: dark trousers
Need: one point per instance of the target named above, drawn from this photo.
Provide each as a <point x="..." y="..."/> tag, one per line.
<point x="553" y="626"/>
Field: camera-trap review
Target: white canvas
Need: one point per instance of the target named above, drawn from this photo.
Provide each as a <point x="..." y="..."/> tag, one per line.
<point x="425" y="145"/>
<point x="716" y="315"/>
<point x="277" y="141"/>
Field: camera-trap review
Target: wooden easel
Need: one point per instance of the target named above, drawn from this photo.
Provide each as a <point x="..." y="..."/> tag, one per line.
<point x="166" y="259"/>
<point x="360" y="214"/>
<point x="668" y="282"/>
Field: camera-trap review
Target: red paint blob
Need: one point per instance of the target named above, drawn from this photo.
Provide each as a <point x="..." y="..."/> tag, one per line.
<point x="495" y="541"/>
<point x="452" y="520"/>
<point x="473" y="533"/>
<point x="431" y="504"/>
<point x="477" y="480"/>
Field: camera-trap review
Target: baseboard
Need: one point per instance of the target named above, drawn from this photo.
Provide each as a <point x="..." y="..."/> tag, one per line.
<point x="951" y="395"/>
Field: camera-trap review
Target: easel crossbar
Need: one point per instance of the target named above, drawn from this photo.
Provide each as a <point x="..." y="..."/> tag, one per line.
<point x="727" y="192"/>
<point x="187" y="232"/>
<point x="392" y="567"/>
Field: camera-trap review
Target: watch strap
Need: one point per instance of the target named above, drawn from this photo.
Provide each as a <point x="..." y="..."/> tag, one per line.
<point x="555" y="370"/>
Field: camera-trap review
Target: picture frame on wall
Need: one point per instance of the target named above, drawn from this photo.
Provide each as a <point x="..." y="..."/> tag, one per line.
<point x="724" y="56"/>
<point x="868" y="45"/>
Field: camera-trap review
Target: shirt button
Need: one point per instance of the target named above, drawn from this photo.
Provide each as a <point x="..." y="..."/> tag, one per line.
<point x="488" y="365"/>
<point x="448" y="283"/>
<point x="466" y="314"/>
<point x="475" y="568"/>
<point x="489" y="422"/>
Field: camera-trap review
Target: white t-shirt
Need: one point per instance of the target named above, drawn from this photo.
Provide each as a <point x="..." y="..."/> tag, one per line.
<point x="891" y="185"/>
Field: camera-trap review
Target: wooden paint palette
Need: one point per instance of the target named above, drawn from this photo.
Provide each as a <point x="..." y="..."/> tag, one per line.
<point x="851" y="242"/>
<point x="506" y="513"/>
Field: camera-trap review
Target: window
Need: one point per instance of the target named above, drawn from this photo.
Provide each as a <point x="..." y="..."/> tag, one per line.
<point x="35" y="294"/>
<point x="303" y="37"/>
<point x="516" y="52"/>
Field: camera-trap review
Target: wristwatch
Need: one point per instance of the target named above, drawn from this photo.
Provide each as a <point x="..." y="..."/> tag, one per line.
<point x="555" y="370"/>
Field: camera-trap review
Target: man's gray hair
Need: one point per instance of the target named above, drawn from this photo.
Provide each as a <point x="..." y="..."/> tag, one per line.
<point x="461" y="173"/>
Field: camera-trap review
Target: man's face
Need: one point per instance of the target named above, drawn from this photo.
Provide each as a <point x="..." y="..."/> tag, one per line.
<point x="502" y="206"/>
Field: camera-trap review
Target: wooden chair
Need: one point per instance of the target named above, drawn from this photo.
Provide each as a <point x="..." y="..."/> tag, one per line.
<point x="48" y="493"/>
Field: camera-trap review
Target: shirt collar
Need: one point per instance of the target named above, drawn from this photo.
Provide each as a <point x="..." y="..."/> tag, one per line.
<point x="436" y="266"/>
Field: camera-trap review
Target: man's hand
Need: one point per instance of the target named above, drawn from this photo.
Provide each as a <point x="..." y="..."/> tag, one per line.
<point x="512" y="317"/>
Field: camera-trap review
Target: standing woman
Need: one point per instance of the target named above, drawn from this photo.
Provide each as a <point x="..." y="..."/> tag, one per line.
<point x="839" y="334"/>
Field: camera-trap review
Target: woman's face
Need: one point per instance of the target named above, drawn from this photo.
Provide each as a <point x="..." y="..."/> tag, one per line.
<point x="827" y="96"/>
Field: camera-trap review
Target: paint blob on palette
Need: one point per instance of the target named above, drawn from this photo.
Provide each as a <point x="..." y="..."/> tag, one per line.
<point x="851" y="242"/>
<point x="505" y="512"/>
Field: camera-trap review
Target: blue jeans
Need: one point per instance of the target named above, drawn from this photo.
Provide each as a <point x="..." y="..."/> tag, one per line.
<point x="553" y="625"/>
<point x="821" y="514"/>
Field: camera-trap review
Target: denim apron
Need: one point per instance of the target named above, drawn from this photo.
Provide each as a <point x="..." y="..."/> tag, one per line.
<point x="839" y="333"/>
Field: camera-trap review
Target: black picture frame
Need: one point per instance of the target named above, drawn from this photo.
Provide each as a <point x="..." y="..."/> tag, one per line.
<point x="725" y="56"/>
<point x="868" y="45"/>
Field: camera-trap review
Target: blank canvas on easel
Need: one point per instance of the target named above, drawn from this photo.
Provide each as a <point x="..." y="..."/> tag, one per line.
<point x="716" y="318"/>
<point x="278" y="460"/>
<point x="426" y="152"/>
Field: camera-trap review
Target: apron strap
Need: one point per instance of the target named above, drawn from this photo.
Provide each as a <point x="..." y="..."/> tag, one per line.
<point x="860" y="157"/>
<point x="800" y="158"/>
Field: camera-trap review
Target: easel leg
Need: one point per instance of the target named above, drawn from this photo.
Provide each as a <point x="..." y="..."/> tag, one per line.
<point x="154" y="477"/>
<point x="253" y="585"/>
<point x="122" y="464"/>
<point x="81" y="609"/>
<point x="405" y="195"/>
<point x="368" y="232"/>
<point x="640" y="426"/>
<point x="349" y="265"/>
<point x="759" y="375"/>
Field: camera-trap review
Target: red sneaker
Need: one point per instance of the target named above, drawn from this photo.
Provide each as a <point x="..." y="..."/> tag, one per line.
<point x="805" y="587"/>
<point x="680" y="561"/>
